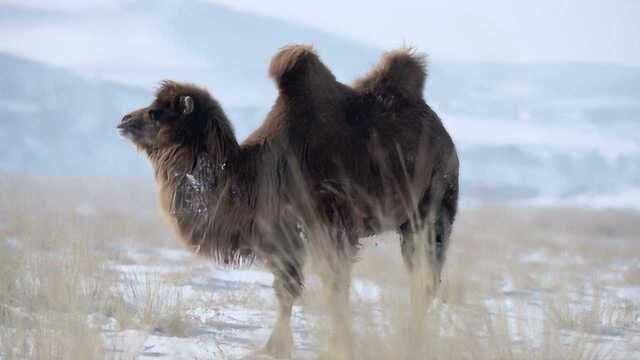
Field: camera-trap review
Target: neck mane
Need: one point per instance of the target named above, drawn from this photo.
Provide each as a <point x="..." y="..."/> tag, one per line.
<point x="197" y="182"/>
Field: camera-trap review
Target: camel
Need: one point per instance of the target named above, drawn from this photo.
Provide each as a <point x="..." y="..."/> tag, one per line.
<point x="331" y="164"/>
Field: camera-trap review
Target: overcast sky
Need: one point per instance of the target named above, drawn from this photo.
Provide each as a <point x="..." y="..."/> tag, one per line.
<point x="487" y="30"/>
<point x="491" y="30"/>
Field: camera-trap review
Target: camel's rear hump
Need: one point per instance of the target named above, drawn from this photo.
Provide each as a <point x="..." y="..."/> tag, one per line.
<point x="402" y="71"/>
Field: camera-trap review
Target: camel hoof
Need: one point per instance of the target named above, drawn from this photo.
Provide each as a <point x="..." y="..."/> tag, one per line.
<point x="332" y="355"/>
<point x="259" y="355"/>
<point x="270" y="352"/>
<point x="324" y="356"/>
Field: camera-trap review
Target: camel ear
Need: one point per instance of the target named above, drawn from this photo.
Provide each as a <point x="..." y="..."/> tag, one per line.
<point x="297" y="70"/>
<point x="186" y="103"/>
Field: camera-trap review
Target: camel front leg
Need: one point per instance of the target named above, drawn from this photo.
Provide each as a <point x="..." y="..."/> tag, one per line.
<point x="287" y="285"/>
<point x="337" y="284"/>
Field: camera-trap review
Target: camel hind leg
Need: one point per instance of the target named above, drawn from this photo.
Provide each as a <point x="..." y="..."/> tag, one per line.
<point x="422" y="246"/>
<point x="424" y="241"/>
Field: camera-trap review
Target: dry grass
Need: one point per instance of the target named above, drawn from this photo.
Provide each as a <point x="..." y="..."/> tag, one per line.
<point x="47" y="291"/>
<point x="519" y="283"/>
<point x="55" y="247"/>
<point x="160" y="305"/>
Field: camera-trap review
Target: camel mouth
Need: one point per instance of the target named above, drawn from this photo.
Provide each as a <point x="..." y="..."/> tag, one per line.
<point x="128" y="127"/>
<point x="125" y="130"/>
<point x="123" y="126"/>
<point x="125" y="134"/>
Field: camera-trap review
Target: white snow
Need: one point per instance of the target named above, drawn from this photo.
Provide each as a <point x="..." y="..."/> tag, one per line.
<point x="631" y="293"/>
<point x="365" y="290"/>
<point x="174" y="254"/>
<point x="572" y="137"/>
<point x="177" y="348"/>
<point x="245" y="276"/>
<point x="229" y="312"/>
<point x="625" y="199"/>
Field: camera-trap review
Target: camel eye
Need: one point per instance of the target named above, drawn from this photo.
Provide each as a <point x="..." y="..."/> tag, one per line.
<point x="155" y="114"/>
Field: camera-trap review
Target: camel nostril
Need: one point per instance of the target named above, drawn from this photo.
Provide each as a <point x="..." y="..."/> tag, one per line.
<point x="125" y="121"/>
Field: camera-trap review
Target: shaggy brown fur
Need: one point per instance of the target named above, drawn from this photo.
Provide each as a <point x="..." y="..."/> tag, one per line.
<point x="330" y="164"/>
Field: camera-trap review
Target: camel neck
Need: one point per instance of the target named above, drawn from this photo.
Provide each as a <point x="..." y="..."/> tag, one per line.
<point x="196" y="190"/>
<point x="193" y="183"/>
<point x="199" y="199"/>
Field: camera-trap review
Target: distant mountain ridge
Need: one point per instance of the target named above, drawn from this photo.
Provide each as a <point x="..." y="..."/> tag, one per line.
<point x="55" y="122"/>
<point x="145" y="41"/>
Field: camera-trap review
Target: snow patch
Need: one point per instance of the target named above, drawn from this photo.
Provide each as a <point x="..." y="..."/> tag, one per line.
<point x="625" y="199"/>
<point x="631" y="293"/>
<point x="245" y="276"/>
<point x="366" y="290"/>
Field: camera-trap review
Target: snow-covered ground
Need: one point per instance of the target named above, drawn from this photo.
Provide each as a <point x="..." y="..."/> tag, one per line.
<point x="228" y="313"/>
<point x="89" y="277"/>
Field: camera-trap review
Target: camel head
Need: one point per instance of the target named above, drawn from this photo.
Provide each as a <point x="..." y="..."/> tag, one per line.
<point x="177" y="116"/>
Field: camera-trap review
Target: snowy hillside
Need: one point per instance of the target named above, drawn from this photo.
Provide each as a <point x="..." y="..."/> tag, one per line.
<point x="141" y="42"/>
<point x="56" y="122"/>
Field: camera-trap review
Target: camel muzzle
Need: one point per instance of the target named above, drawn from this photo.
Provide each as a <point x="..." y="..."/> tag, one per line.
<point x="126" y="122"/>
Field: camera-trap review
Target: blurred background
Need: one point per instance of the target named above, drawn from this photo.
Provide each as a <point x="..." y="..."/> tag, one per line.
<point x="541" y="97"/>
